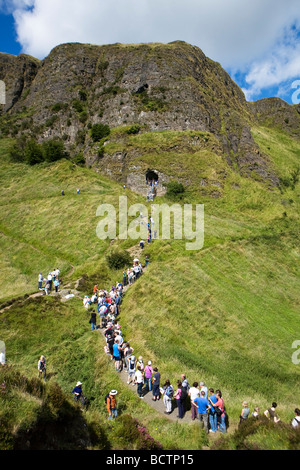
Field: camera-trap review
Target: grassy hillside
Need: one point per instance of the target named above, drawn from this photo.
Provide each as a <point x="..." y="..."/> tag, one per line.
<point x="227" y="314"/>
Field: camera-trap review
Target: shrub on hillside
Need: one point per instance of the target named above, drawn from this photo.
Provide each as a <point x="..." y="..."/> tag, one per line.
<point x="78" y="159"/>
<point x="33" y="153"/>
<point x="17" y="150"/>
<point x="98" y="131"/>
<point x="175" y="190"/>
<point x="53" y="150"/>
<point x="133" y="435"/>
<point x="135" y="129"/>
<point x="118" y="259"/>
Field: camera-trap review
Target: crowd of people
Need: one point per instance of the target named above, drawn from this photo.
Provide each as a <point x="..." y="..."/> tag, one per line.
<point x="45" y="284"/>
<point x="205" y="404"/>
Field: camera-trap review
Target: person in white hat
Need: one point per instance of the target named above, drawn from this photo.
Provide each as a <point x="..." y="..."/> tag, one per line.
<point x="111" y="404"/>
<point x="77" y="391"/>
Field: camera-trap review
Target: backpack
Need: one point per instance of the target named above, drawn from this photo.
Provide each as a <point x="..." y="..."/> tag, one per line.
<point x="107" y="397"/>
<point x="169" y="391"/>
<point x="184" y="393"/>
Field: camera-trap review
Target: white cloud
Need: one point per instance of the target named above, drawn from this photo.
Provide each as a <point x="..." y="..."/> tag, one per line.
<point x="239" y="34"/>
<point x="282" y="65"/>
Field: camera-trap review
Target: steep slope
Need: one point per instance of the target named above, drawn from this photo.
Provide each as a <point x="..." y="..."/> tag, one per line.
<point x="157" y="87"/>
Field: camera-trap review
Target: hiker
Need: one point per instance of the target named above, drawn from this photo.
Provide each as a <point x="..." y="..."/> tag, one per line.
<point x="139" y="380"/>
<point x="56" y="284"/>
<point x="271" y="414"/>
<point x="77" y="391"/>
<point x="93" y="320"/>
<point x="148" y="376"/>
<point x="140" y="363"/>
<point x="179" y="400"/>
<point x="118" y="303"/>
<point x="296" y="420"/>
<point x="220" y="412"/>
<point x="203" y="388"/>
<point x="50" y="281"/>
<point x="111" y="404"/>
<point x="102" y="312"/>
<point x="86" y="301"/>
<point x="128" y="350"/>
<point x="117" y="355"/>
<point x="212" y="415"/>
<point x="131" y="370"/>
<point x="202" y="404"/>
<point x="124" y="278"/>
<point x="62" y="193"/>
<point x="244" y="413"/>
<point x="47" y="286"/>
<point x="184" y="390"/>
<point x="147" y="261"/>
<point x="156" y="384"/>
<point x="110" y="342"/>
<point x="40" y="281"/>
<point x="142" y="244"/>
<point x="255" y="413"/>
<point x="78" y="191"/>
<point x="167" y="396"/>
<point x="193" y="393"/>
<point x="42" y="367"/>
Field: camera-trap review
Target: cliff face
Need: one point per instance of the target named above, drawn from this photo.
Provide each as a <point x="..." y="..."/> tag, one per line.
<point x="158" y="87"/>
<point x="17" y="74"/>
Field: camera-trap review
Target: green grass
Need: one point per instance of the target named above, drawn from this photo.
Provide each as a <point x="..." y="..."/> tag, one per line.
<point x="227" y="314"/>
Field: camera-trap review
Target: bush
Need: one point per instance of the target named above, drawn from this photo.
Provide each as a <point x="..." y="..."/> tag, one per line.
<point x="118" y="259"/>
<point x="98" y="131"/>
<point x="133" y="435"/>
<point x="175" y="190"/>
<point x="53" y="150"/>
<point x="78" y="106"/>
<point x="135" y="129"/>
<point x="33" y="152"/>
<point x="78" y="159"/>
<point x="17" y="151"/>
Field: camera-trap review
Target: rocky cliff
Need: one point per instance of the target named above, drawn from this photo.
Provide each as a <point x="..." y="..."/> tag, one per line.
<point x="155" y="87"/>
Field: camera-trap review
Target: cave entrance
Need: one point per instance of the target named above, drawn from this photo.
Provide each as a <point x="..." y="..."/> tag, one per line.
<point x="151" y="177"/>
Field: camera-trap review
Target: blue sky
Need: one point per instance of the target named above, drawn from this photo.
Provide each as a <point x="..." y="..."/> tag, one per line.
<point x="257" y="42"/>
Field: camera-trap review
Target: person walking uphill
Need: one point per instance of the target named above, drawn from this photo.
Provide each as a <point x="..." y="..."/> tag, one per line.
<point x="93" y="320"/>
<point x="42" y="367"/>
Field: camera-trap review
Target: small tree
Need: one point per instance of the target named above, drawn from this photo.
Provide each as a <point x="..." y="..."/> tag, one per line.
<point x="53" y="150"/>
<point x="118" y="259"/>
<point x="98" y="131"/>
<point x="175" y="190"/>
<point x="33" y="152"/>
